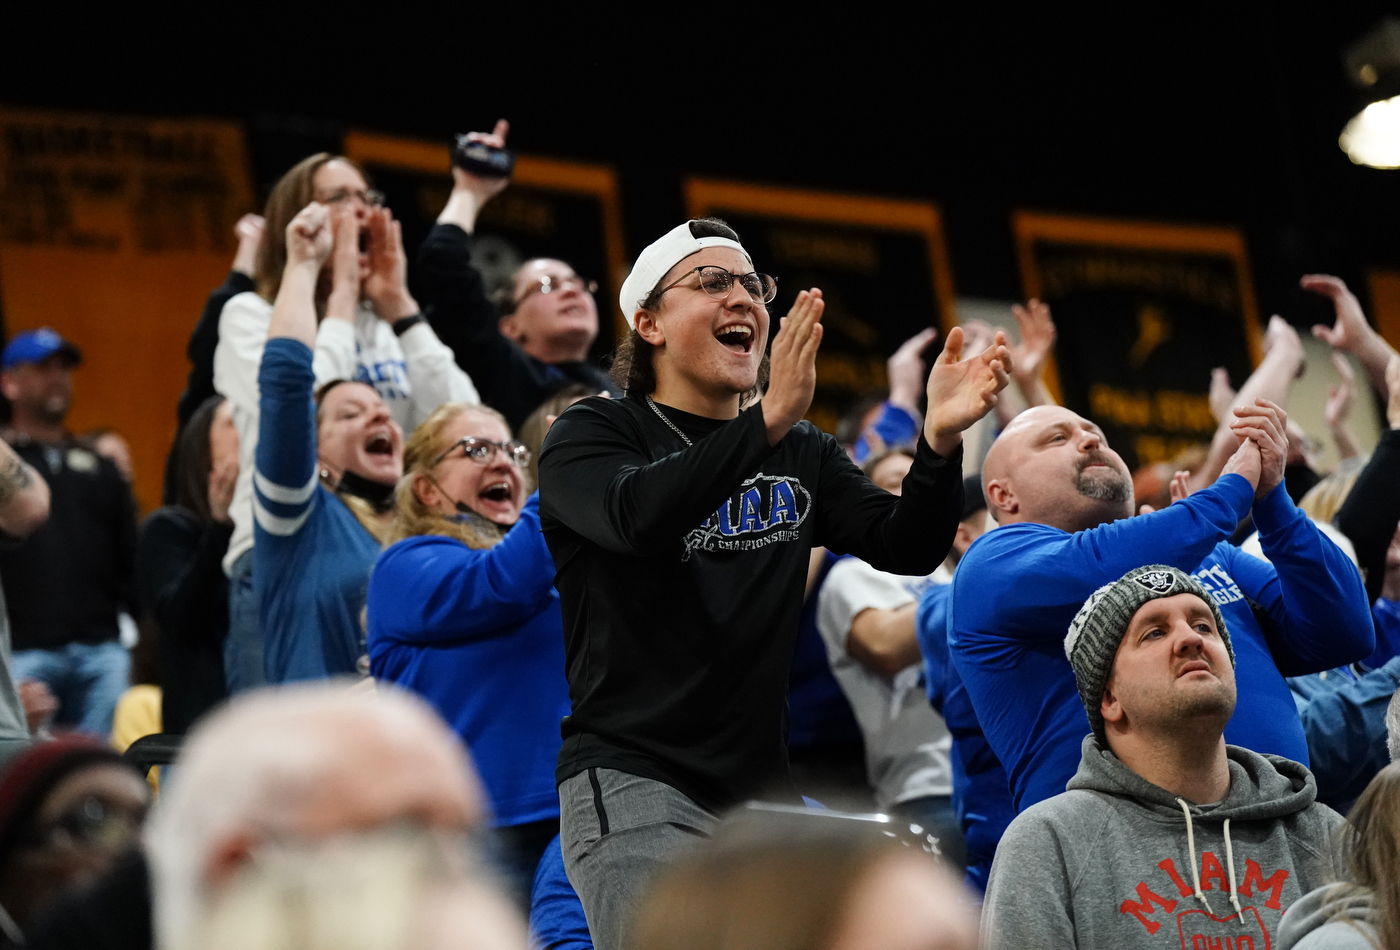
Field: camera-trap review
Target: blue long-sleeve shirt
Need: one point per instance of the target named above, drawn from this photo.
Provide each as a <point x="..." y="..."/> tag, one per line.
<point x="1343" y="716"/>
<point x="311" y="557"/>
<point x="478" y="634"/>
<point x="1018" y="588"/>
<point x="981" y="794"/>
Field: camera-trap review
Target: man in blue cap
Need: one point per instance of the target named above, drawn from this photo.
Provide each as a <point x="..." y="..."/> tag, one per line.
<point x="67" y="582"/>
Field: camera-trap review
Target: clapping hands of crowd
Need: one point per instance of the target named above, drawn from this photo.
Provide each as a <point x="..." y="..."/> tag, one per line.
<point x="906" y="370"/>
<point x="386" y="284"/>
<point x="1264" y="426"/>
<point x="962" y="391"/>
<point x="1037" y="341"/>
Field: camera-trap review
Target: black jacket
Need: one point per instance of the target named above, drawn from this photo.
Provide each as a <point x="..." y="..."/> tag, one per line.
<point x="680" y="577"/>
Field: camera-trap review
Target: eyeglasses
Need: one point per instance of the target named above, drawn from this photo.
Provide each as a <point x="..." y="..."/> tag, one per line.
<point x="548" y="285"/>
<point x="91" y="823"/>
<point x="369" y="197"/>
<point x="481" y="451"/>
<point x="717" y="282"/>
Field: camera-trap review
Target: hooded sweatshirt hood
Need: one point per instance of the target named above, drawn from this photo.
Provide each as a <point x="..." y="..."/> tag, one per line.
<point x="1117" y="861"/>
<point x="1343" y="910"/>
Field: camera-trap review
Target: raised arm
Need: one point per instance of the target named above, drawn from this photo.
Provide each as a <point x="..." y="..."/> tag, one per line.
<point x="440" y="589"/>
<point x="1037" y="333"/>
<point x="1371" y="512"/>
<point x="1351" y="333"/>
<point x="24" y="495"/>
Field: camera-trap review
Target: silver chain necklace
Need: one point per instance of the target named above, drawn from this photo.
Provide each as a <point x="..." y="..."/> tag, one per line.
<point x="671" y="425"/>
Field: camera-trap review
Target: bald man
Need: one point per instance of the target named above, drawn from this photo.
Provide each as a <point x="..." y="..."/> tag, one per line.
<point x="301" y="765"/>
<point x="1063" y="503"/>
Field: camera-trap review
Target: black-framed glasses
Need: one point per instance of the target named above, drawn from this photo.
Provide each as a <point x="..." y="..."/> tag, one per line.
<point x="481" y="450"/>
<point x="548" y="284"/>
<point x="91" y="822"/>
<point x="717" y="282"/>
<point x="369" y="197"/>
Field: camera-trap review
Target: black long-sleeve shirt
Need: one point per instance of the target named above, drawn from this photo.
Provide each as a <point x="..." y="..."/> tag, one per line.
<point x="509" y="380"/>
<point x="1372" y="510"/>
<point x="66" y="582"/>
<point x="680" y="574"/>
<point x="199" y="385"/>
<point x="179" y="565"/>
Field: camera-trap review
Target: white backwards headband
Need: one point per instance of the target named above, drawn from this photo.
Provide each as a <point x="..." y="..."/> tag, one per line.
<point x="660" y="256"/>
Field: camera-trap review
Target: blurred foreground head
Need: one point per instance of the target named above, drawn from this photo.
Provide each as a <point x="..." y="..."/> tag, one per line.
<point x="774" y="881"/>
<point x="278" y="772"/>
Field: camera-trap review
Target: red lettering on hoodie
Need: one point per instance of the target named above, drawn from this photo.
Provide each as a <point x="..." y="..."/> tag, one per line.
<point x="1143" y="906"/>
<point x="1169" y="866"/>
<point x="1254" y="877"/>
<point x="1212" y="871"/>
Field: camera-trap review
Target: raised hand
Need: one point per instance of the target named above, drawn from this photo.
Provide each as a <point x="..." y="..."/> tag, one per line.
<point x="1180" y="487"/>
<point x="346" y="272"/>
<point x="470" y="192"/>
<point x="309" y="237"/>
<point x="1246" y="462"/>
<point x="1222" y="394"/>
<point x="386" y="286"/>
<point x="962" y="391"/>
<point x="906" y="370"/>
<point x="1351" y="326"/>
<point x="1266" y="425"/>
<point x="1339" y="397"/>
<point x="1281" y="342"/>
<point x="1392" y="382"/>
<point x="792" y="366"/>
<point x="1037" y="340"/>
<point x="248" y="231"/>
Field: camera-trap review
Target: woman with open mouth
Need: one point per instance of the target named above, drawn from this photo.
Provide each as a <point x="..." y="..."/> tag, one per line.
<point x="328" y="459"/>
<point x="463" y="611"/>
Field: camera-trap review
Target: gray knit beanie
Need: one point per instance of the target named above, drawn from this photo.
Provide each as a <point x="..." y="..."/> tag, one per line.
<point x="1098" y="628"/>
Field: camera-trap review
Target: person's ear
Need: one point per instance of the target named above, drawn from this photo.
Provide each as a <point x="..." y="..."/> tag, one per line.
<point x="1109" y="707"/>
<point x="963" y="539"/>
<point x="8" y="386"/>
<point x="426" y="491"/>
<point x="648" y="328"/>
<point x="1001" y="498"/>
<point x="510" y="329"/>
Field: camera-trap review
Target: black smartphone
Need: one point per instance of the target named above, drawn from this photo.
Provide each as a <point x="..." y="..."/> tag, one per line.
<point x="482" y="159"/>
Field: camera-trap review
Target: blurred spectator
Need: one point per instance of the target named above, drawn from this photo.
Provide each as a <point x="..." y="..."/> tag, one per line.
<point x="138" y="709"/>
<point x="557" y="920"/>
<point x="1362" y="911"/>
<point x="1155" y="670"/>
<point x="532" y="433"/>
<point x="273" y="773"/>
<point x="537" y="341"/>
<point x="24" y="506"/>
<point x="981" y="793"/>
<point x="395" y="889"/>
<point x="463" y="611"/>
<point x="67" y="582"/>
<point x="1351" y="333"/>
<point x="866" y="619"/>
<point x="379" y="339"/>
<point x="774" y="881"/>
<point x="68" y="808"/>
<point x="876" y="423"/>
<point x="111" y="444"/>
<point x="182" y="581"/>
<point x="1371" y="512"/>
<point x="1063" y="501"/>
<point x="204" y="339"/>
<point x="326" y="471"/>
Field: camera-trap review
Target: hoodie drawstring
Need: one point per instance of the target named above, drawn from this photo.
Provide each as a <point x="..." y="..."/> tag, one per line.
<point x="1191" y="848"/>
<point x="1230" y="865"/>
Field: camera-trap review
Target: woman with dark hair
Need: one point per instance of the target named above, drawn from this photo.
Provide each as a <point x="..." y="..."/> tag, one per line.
<point x="179" y="570"/>
<point x="1363" y="913"/>
<point x="463" y="611"/>
<point x="384" y="342"/>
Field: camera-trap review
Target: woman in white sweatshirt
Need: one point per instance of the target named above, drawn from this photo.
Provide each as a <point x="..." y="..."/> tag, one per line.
<point x="388" y="345"/>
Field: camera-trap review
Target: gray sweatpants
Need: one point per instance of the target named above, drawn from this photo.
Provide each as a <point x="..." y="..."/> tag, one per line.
<point x="617" y="831"/>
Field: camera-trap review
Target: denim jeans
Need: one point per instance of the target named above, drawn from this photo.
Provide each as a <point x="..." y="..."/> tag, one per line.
<point x="87" y="679"/>
<point x="617" y="831"/>
<point x="243" y="648"/>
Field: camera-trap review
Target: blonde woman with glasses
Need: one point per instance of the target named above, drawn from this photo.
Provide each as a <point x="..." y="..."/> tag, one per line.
<point x="463" y="611"/>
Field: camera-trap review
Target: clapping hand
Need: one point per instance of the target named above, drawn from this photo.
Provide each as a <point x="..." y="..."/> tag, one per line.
<point x="1037" y="340"/>
<point x="906" y="370"/>
<point x="309" y="237"/>
<point x="962" y="391"/>
<point x="792" y="366"/>
<point x="1266" y="425"/>
<point x="1339" y="397"/>
<point x="1351" y="326"/>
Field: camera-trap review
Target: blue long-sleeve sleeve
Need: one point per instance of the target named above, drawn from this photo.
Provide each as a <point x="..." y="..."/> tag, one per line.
<point x="1013" y="598"/>
<point x="423" y="587"/>
<point x="284" y="482"/>
<point x="893" y="426"/>
<point x="1344" y="721"/>
<point x="1311" y="591"/>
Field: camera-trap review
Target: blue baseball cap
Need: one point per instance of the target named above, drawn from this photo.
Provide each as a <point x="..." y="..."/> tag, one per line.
<point x="35" y="346"/>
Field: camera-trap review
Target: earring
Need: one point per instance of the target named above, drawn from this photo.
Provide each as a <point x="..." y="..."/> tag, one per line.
<point x="326" y="474"/>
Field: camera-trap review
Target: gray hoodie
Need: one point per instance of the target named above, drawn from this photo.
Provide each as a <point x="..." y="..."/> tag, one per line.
<point x="1330" y="918"/>
<point x="1117" y="862"/>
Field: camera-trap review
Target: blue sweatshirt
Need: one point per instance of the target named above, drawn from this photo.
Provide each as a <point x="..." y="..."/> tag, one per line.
<point x="1018" y="588"/>
<point x="981" y="795"/>
<point x="311" y="557"/>
<point x="478" y="634"/>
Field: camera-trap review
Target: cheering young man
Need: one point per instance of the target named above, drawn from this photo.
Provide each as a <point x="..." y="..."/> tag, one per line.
<point x="681" y="524"/>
